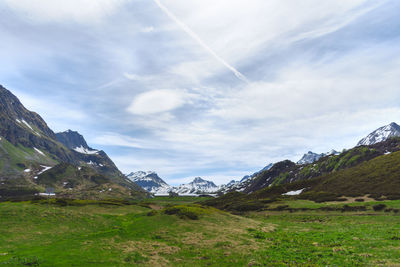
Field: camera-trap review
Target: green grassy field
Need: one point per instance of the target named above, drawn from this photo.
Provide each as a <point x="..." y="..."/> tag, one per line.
<point x="176" y="232"/>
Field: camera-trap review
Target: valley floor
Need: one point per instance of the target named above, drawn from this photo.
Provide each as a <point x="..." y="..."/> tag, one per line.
<point x="175" y="232"/>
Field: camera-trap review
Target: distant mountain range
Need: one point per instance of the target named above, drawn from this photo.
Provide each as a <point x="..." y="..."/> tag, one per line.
<point x="31" y="151"/>
<point x="151" y="182"/>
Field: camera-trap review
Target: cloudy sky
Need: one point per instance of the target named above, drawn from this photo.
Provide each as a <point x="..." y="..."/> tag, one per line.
<point x="211" y="88"/>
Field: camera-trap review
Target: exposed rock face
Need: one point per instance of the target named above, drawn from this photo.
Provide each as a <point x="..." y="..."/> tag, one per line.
<point x="72" y="140"/>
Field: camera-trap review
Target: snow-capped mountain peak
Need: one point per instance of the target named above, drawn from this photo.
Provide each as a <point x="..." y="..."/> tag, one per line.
<point x="309" y="157"/>
<point x="381" y="134"/>
<point x="149" y="181"/>
<point x="197" y="186"/>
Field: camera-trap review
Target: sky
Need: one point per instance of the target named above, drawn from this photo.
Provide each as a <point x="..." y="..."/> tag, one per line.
<point x="210" y="88"/>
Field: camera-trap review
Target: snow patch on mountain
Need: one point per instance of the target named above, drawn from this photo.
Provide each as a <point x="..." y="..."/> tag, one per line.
<point x="39" y="151"/>
<point x="87" y="151"/>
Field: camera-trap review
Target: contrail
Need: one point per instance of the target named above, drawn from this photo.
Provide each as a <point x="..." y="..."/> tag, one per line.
<point x="199" y="41"/>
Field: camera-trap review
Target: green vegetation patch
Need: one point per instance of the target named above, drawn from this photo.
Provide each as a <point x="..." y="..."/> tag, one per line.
<point x="192" y="212"/>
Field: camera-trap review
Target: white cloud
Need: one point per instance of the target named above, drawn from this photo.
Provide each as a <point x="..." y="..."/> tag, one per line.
<point x="115" y="139"/>
<point x="157" y="101"/>
<point x="147" y="29"/>
<point x="82" y="11"/>
<point x="237" y="30"/>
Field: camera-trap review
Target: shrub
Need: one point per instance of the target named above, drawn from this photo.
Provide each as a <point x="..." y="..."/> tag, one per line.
<point x="185" y="212"/>
<point x="319" y="196"/>
<point x="280" y="208"/>
<point x="152" y="213"/>
<point x="359" y="200"/>
<point x="246" y="206"/>
<point x="353" y="208"/>
<point x="379" y="207"/>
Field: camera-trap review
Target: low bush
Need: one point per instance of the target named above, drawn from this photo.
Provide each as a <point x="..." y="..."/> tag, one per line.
<point x="186" y="212"/>
<point x="353" y="208"/>
<point x="246" y="206"/>
<point x="319" y="196"/>
<point x="280" y="208"/>
<point x="379" y="207"/>
<point x="152" y="213"/>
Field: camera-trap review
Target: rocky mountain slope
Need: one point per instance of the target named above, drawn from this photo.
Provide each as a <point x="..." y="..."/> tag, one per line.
<point x="28" y="148"/>
<point x="380" y="134"/>
<point x="97" y="159"/>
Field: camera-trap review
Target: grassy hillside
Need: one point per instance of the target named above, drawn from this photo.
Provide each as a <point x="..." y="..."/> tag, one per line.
<point x="17" y="158"/>
<point x="379" y="176"/>
<point x="163" y="232"/>
<point x="84" y="183"/>
<point x="285" y="172"/>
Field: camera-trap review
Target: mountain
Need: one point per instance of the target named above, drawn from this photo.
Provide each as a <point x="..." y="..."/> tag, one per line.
<point x="311" y="157"/>
<point x="28" y="148"/>
<point x="380" y="134"/>
<point x="150" y="181"/>
<point x="197" y="186"/>
<point x="75" y="141"/>
<point x="97" y="159"/>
